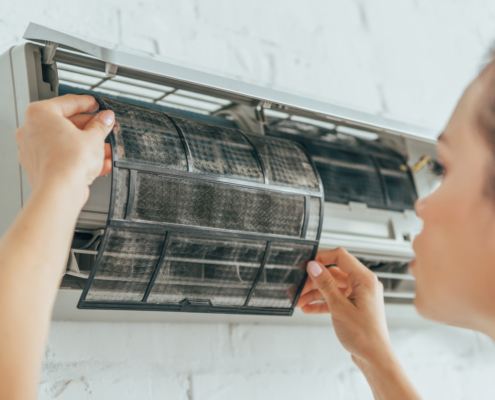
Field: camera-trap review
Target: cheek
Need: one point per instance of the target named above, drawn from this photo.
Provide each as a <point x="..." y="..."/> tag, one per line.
<point x="439" y="248"/>
<point x="451" y="252"/>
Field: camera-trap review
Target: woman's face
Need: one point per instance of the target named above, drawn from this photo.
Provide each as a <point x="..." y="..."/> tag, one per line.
<point x="455" y="252"/>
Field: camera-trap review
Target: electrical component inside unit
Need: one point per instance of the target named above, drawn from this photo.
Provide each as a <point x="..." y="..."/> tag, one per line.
<point x="203" y="218"/>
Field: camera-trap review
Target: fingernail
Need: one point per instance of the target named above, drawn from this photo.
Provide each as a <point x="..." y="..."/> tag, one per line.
<point x="107" y="117"/>
<point x="314" y="268"/>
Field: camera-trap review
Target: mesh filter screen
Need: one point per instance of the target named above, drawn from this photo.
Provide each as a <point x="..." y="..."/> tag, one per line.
<point x="195" y="202"/>
<point x="122" y="193"/>
<point x="281" y="276"/>
<point x="314" y="218"/>
<point x="220" y="151"/>
<point x="195" y="208"/>
<point x="285" y="162"/>
<point x="145" y="135"/>
<point x="127" y="265"/>
<point x="219" y="270"/>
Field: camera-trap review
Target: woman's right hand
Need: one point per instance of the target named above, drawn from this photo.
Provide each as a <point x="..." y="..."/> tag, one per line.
<point x="59" y="142"/>
<point x="354" y="297"/>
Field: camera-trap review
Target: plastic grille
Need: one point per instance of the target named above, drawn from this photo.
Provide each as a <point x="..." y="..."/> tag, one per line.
<point x="221" y="271"/>
<point x="314" y="218"/>
<point x="145" y="135"/>
<point x="127" y="265"/>
<point x="215" y="205"/>
<point x="397" y="267"/>
<point x="282" y="275"/>
<point x="285" y="162"/>
<point x="122" y="193"/>
<point x="220" y="151"/>
<point x="65" y="89"/>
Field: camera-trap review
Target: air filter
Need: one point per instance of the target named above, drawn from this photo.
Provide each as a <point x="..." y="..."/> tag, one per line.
<point x="203" y="218"/>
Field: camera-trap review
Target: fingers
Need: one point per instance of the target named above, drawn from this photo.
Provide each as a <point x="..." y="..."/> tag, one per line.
<point x="108" y="151"/>
<point x="316" y="308"/>
<point x="309" y="298"/>
<point x="346" y="262"/>
<point x="107" y="167"/>
<point x="67" y="105"/>
<point x="308" y="287"/>
<point x="338" y="275"/>
<point x="326" y="284"/>
<point x="101" y="123"/>
<point x="72" y="104"/>
<point x="107" y="162"/>
<point x="80" y="120"/>
<point x="310" y="293"/>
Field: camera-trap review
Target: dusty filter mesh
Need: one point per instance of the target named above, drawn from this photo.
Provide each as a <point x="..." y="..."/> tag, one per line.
<point x="219" y="270"/>
<point x="203" y="218"/>
<point x="195" y="202"/>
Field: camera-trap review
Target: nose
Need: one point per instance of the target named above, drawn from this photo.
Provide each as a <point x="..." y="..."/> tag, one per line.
<point x="420" y="206"/>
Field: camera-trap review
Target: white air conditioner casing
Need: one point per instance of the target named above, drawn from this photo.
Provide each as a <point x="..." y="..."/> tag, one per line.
<point x="33" y="70"/>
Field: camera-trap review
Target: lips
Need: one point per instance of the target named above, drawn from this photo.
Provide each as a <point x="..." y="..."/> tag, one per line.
<point x="412" y="263"/>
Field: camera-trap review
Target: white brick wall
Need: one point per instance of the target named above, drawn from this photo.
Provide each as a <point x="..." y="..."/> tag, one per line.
<point x="246" y="362"/>
<point x="406" y="59"/>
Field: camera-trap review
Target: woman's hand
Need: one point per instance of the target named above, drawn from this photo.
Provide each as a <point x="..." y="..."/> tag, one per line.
<point x="58" y="143"/>
<point x="354" y="297"/>
<point x="62" y="152"/>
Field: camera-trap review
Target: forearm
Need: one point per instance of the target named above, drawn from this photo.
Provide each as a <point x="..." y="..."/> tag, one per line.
<point x="32" y="258"/>
<point x="387" y="378"/>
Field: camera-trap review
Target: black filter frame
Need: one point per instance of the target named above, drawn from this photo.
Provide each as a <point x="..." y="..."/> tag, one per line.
<point x="168" y="229"/>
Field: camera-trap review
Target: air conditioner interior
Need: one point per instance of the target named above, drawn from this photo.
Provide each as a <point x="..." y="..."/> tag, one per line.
<point x="372" y="170"/>
<point x="351" y="168"/>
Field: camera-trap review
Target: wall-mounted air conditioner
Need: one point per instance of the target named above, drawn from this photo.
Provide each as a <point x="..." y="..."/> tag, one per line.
<point x="221" y="190"/>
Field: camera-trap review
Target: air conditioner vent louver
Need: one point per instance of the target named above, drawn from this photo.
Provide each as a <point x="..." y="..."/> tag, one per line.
<point x="398" y="284"/>
<point x="203" y="218"/>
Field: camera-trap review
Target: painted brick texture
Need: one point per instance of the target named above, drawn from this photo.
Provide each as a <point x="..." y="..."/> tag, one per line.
<point x="222" y="361"/>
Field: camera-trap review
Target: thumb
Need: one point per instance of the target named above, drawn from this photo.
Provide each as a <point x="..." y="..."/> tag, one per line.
<point x="328" y="287"/>
<point x="102" y="123"/>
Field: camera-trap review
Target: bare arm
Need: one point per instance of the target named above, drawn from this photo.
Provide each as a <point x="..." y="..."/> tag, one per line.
<point x="354" y="297"/>
<point x="62" y="152"/>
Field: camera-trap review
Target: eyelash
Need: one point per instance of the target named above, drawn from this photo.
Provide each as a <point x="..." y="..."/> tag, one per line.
<point x="436" y="168"/>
